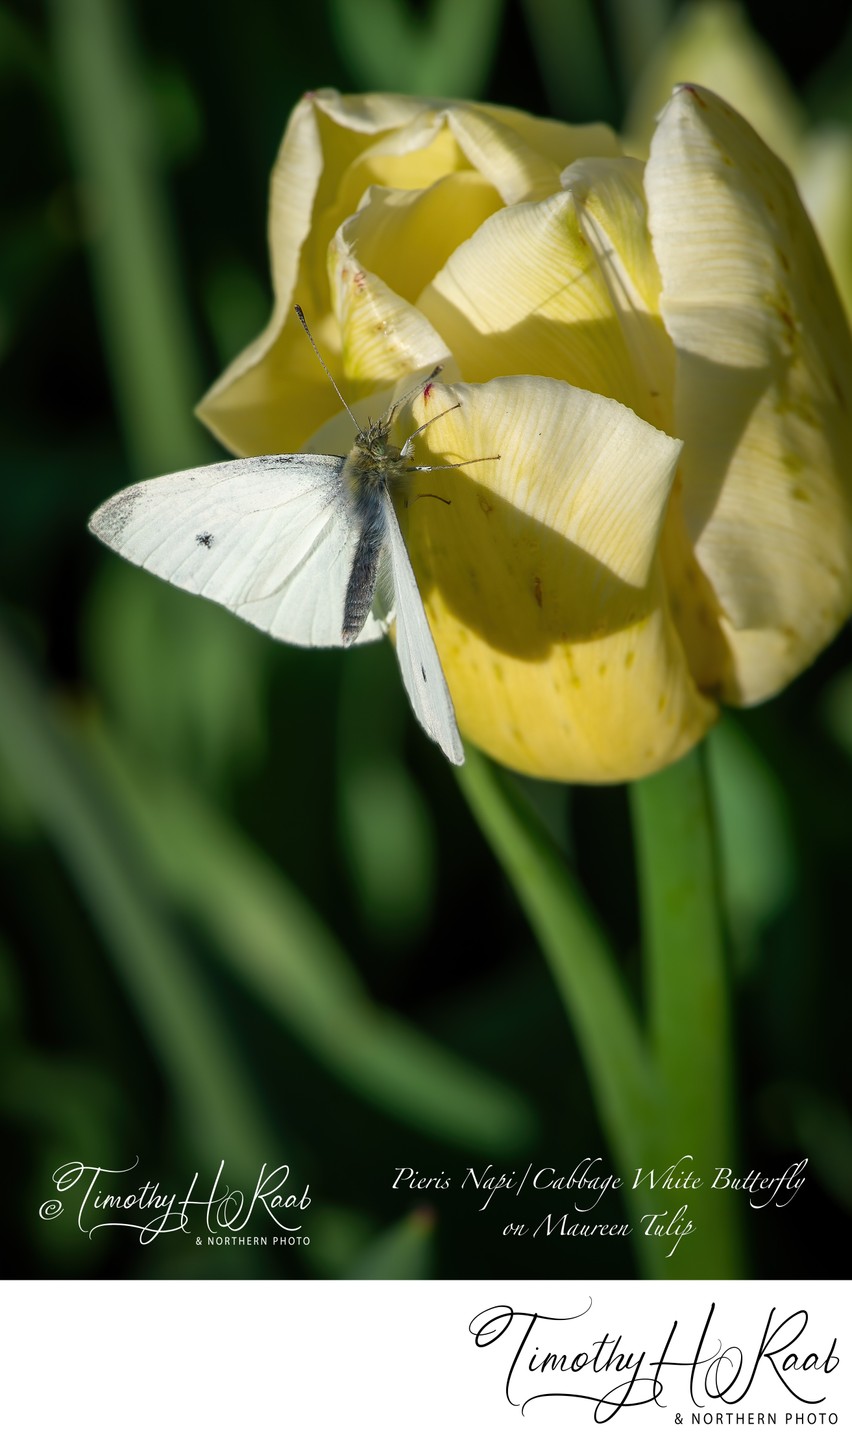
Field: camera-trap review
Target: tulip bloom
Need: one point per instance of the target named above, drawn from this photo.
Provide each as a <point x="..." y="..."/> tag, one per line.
<point x="656" y="353"/>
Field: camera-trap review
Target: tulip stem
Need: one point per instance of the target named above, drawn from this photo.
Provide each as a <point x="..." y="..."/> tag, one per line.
<point x="664" y="1093"/>
<point x="686" y="989"/>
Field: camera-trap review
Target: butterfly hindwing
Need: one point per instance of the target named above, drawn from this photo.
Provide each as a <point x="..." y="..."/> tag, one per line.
<point x="418" y="659"/>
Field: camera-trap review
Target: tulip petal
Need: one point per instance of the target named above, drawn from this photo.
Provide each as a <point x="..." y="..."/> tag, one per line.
<point x="763" y="394"/>
<point x="521" y="156"/>
<point x="542" y="580"/>
<point x="558" y="142"/>
<point x="406" y="236"/>
<point x="384" y="337"/>
<point x="385" y="340"/>
<point x="561" y="287"/>
<point x="610" y="200"/>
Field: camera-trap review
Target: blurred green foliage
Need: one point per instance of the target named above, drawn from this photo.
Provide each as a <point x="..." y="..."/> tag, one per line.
<point x="245" y="910"/>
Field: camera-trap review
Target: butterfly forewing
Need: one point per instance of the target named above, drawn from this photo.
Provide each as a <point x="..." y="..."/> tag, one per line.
<point x="267" y="537"/>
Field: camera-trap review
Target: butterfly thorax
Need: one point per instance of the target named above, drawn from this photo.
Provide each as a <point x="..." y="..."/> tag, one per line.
<point x="372" y="464"/>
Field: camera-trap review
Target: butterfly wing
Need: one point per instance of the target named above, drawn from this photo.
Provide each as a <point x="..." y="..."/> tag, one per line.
<point x="419" y="664"/>
<point x="270" y="538"/>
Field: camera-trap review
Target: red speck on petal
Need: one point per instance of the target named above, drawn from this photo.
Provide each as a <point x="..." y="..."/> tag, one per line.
<point x="691" y="90"/>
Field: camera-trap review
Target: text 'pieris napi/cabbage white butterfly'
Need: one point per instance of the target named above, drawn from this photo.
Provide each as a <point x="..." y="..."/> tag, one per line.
<point x="304" y="546"/>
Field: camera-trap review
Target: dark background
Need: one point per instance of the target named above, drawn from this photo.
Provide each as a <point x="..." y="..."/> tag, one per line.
<point x="223" y="860"/>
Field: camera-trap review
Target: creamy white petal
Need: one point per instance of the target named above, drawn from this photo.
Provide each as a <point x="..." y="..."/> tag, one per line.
<point x="542" y="582"/>
<point x="579" y="464"/>
<point x="763" y="393"/>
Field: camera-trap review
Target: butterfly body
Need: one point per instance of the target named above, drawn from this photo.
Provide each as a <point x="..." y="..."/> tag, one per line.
<point x="371" y="469"/>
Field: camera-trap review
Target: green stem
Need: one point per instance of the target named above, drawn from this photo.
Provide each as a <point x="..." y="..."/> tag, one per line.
<point x="687" y="1002"/>
<point x="662" y="1095"/>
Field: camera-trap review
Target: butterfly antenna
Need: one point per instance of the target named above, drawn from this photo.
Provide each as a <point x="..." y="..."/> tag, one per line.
<point x="304" y="324"/>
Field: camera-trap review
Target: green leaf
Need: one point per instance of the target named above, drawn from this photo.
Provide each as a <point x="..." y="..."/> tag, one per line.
<point x="143" y="316"/>
<point x="583" y="968"/>
<point x="213" y="1091"/>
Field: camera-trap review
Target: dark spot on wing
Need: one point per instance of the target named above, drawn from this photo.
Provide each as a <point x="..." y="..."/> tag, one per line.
<point x="111" y="519"/>
<point x="205" y="540"/>
<point x="423" y="672"/>
<point x="537" y="590"/>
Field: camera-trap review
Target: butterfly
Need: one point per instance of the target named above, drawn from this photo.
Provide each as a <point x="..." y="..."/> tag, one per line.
<point x="307" y="547"/>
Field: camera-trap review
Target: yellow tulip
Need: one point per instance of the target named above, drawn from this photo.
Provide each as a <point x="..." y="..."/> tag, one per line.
<point x="657" y="355"/>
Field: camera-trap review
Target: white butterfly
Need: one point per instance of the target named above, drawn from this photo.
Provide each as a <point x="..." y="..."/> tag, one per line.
<point x="305" y="546"/>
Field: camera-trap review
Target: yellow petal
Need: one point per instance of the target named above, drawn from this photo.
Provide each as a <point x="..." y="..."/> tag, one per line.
<point x="396" y="239"/>
<point x="406" y="236"/>
<point x="611" y="206"/>
<point x="520" y="156"/>
<point x="764" y="391"/>
<point x="561" y="287"/>
<point x="560" y="143"/>
<point x="385" y="339"/>
<point x="542" y="581"/>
